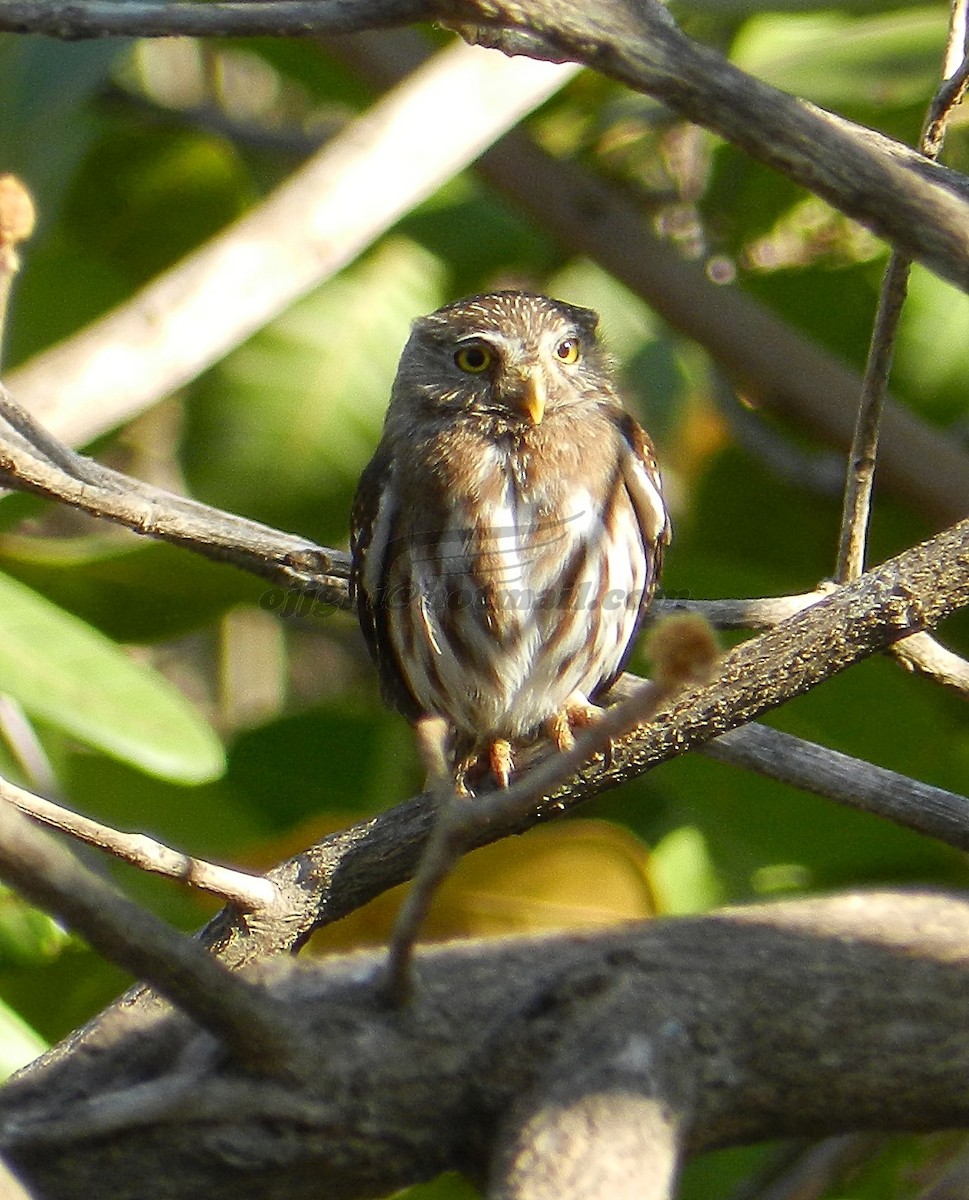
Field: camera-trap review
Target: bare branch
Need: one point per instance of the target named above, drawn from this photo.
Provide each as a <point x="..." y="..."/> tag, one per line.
<point x="243" y="18"/>
<point x="760" y="612"/>
<point x="695" y="1018"/>
<point x="924" y="654"/>
<point x="347" y="869"/>
<point x="32" y="460"/>
<point x="615" y="1142"/>
<point x="309" y="228"/>
<point x="845" y="780"/>
<point x="132" y="938"/>
<point x="864" y="446"/>
<point x="890" y="188"/>
<point x="247" y="892"/>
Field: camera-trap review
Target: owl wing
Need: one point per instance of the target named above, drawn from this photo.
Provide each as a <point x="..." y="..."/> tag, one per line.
<point x="374" y="535"/>
<point x="641" y="479"/>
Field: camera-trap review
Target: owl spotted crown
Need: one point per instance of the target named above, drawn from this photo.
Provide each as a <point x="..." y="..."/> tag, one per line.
<point x="509" y="531"/>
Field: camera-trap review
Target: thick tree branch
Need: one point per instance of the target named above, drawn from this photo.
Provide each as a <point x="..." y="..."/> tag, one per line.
<point x="344" y="871"/>
<point x="735" y="1024"/>
<point x="31" y="460"/>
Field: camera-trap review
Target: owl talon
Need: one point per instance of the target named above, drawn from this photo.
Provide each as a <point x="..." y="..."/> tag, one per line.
<point x="495" y="758"/>
<point x="501" y="761"/>
<point x="578" y="713"/>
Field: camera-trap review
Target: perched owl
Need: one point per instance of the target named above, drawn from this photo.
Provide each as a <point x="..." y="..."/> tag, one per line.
<point x="509" y="531"/>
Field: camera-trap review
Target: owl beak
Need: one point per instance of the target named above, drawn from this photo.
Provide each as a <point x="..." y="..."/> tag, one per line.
<point x="532" y="397"/>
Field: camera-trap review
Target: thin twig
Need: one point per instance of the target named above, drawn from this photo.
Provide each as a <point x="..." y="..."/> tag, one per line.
<point x="848" y="781"/>
<point x="864" y="448"/>
<point x="922" y="653"/>
<point x="249" y="893"/>
<point x="235" y="1011"/>
<point x="453" y="832"/>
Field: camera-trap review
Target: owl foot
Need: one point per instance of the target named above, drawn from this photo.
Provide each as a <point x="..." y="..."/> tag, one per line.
<point x="501" y="761"/>
<point x="577" y="713"/>
<point x="495" y="758"/>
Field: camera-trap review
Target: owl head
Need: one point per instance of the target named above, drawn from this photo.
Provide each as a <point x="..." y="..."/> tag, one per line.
<point x="513" y="358"/>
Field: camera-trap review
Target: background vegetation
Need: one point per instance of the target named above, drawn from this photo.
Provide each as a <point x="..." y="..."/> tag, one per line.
<point x="138" y="152"/>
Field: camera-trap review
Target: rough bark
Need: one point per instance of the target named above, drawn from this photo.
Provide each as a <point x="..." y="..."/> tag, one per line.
<point x="800" y="1018"/>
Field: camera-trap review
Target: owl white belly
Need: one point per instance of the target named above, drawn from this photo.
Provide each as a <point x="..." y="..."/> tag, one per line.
<point x="516" y="612"/>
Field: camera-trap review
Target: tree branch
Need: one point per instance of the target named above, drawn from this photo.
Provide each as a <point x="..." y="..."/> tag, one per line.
<point x="248" y="892"/>
<point x="719" y="1029"/>
<point x="73" y="20"/>
<point x="349" y="869"/>
<point x="31" y="460"/>
<point x="920" y="207"/>
<point x="306" y="230"/>
<point x="176" y="966"/>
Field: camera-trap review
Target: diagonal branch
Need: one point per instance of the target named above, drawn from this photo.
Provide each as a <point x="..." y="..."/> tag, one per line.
<point x="316" y="222"/>
<point x="917" y="205"/>
<point x="384" y="851"/>
<point x="248" y="892"/>
<point x="921" y="586"/>
<point x="131" y="937"/>
<point x="32" y="460"/>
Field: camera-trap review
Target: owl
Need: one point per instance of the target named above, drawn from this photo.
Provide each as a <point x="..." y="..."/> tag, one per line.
<point x="508" y="533"/>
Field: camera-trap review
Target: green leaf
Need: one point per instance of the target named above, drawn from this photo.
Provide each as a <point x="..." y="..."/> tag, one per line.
<point x="19" y="1044"/>
<point x="682" y="873"/>
<point x="936" y="315"/>
<point x="63" y="671"/>
<point x="27" y="935"/>
<point x="133" y="590"/>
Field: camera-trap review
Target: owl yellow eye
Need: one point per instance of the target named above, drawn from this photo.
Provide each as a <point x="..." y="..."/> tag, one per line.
<point x="473" y="359"/>
<point x="567" y="351"/>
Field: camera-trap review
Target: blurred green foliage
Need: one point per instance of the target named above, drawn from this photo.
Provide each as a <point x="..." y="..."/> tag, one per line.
<point x="135" y="156"/>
